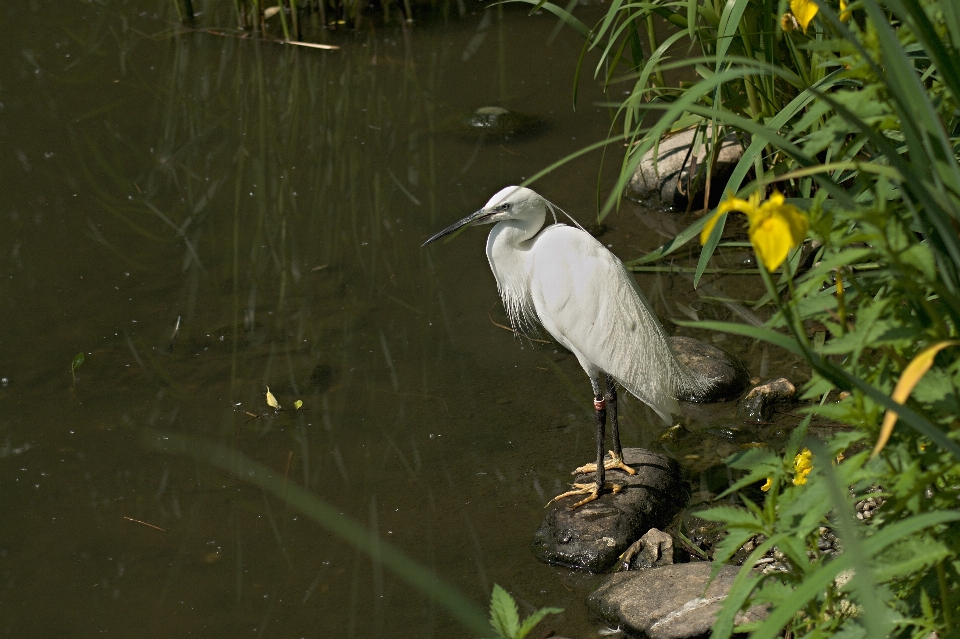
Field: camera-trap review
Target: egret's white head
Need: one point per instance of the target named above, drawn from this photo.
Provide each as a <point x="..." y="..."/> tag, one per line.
<point x="510" y="203"/>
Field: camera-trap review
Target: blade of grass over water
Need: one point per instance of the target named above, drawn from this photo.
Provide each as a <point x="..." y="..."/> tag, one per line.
<point x="404" y="567"/>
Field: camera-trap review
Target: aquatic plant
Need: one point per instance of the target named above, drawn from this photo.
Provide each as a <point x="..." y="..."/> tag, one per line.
<point x="505" y="619"/>
<point x="76" y="363"/>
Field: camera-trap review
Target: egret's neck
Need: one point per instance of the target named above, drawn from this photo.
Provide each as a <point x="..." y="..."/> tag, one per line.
<point x="508" y="243"/>
<point x="508" y="246"/>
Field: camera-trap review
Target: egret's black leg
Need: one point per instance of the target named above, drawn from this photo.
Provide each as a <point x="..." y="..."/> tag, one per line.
<point x="616" y="455"/>
<point x="600" y="410"/>
<point x="592" y="491"/>
<point x="611" y="400"/>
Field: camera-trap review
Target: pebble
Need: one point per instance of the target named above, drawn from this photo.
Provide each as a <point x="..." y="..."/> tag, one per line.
<point x="758" y="405"/>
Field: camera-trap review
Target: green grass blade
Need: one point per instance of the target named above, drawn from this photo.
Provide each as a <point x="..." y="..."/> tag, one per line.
<point x="766" y="334"/>
<point x="729" y="22"/>
<point x="707" y="252"/>
<point x="403" y="566"/>
<point x="560" y="12"/>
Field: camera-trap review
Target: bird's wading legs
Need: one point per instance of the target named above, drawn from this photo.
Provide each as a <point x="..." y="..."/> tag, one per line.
<point x="617" y="453"/>
<point x="600" y="410"/>
<point x="611" y="400"/>
<point x="592" y="491"/>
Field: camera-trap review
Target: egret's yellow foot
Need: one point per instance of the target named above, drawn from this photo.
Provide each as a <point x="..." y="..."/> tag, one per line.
<point x="590" y="490"/>
<point x="614" y="462"/>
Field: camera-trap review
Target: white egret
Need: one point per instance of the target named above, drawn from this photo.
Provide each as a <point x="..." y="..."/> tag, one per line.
<point x="563" y="279"/>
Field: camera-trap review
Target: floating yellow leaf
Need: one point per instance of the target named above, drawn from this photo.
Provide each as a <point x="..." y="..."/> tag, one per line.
<point x="804" y="11"/>
<point x="271" y="400"/>
<point x="297" y="404"/>
<point x="911" y="375"/>
<point x="775" y="227"/>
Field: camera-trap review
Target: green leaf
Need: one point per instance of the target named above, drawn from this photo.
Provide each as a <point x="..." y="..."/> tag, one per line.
<point x="910" y="557"/>
<point x="707" y="251"/>
<point x="531" y="621"/>
<point x="743" y="585"/>
<point x="812" y="586"/>
<point x="504" y="617"/>
<point x="561" y="13"/>
<point x="767" y="335"/>
<point x="733" y="517"/>
<point x="78" y="360"/>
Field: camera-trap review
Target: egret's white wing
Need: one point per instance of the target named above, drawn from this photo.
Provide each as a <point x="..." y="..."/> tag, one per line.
<point x="591" y="304"/>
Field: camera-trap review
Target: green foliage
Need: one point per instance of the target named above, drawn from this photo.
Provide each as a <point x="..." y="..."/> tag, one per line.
<point x="882" y="143"/>
<point x="505" y="619"/>
<point x="858" y="122"/>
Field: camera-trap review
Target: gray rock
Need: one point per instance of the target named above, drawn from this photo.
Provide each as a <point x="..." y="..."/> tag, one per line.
<point x="654" y="549"/>
<point x="758" y="405"/>
<point x="593" y="536"/>
<point x="667" y="602"/>
<point x="731" y="376"/>
<point x="666" y="174"/>
<point x="497" y="124"/>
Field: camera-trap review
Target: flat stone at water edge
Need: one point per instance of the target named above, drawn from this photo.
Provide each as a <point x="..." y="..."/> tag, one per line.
<point x="667" y="602"/>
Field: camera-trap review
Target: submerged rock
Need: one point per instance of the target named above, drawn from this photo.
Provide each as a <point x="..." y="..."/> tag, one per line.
<point x="758" y="405"/>
<point x="667" y="602"/>
<point x="498" y="124"/>
<point x="593" y="536"/>
<point x="731" y="376"/>
<point x="666" y="175"/>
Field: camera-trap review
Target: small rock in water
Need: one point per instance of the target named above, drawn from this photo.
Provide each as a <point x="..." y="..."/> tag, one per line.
<point x="594" y="536"/>
<point x="758" y="405"/>
<point x="654" y="549"/>
<point x="667" y="174"/>
<point x="667" y="602"/>
<point x="498" y="124"/>
<point x="731" y="376"/>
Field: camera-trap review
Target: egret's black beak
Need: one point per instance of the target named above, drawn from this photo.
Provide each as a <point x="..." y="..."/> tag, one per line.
<point x="473" y="218"/>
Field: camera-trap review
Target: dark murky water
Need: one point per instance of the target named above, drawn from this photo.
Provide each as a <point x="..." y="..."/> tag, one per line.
<point x="272" y="201"/>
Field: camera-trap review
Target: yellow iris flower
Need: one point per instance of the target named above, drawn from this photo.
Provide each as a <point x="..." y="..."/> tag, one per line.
<point x="802" y="465"/>
<point x="804" y="11"/>
<point x="775" y="227"/>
